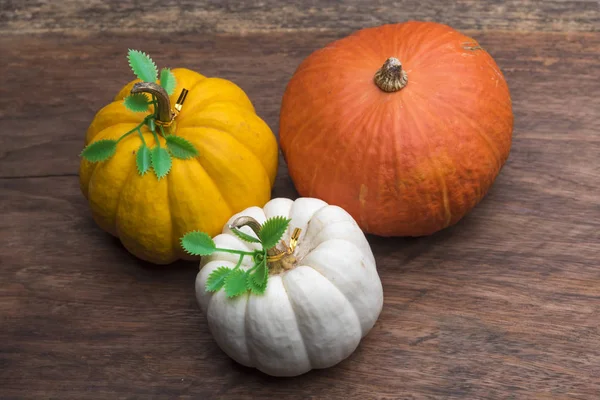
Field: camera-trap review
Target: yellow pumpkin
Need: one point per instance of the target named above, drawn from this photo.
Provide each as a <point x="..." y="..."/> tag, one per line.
<point x="235" y="168"/>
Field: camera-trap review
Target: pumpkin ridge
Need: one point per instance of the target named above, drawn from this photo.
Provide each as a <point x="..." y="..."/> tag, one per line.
<point x="422" y="53"/>
<point x="350" y="43"/>
<point x="314" y="246"/>
<point x="397" y="147"/>
<point x="241" y="100"/>
<point x="217" y="188"/>
<point x="432" y="160"/>
<point x="298" y="133"/>
<point x="92" y="169"/>
<point x="287" y="293"/>
<point x="103" y="133"/>
<point x="131" y="173"/>
<point x="435" y="164"/>
<point x="371" y="114"/>
<point x="304" y="228"/>
<point x="208" y="313"/>
<point x="179" y="71"/>
<point x="174" y="234"/>
<point x="325" y="139"/>
<point x="340" y="291"/>
<point x="476" y="128"/>
<point x="187" y="132"/>
<point x="99" y="136"/>
<point x="309" y="120"/>
<point x="250" y="150"/>
<point x="445" y="199"/>
<point x="124" y="117"/>
<point x="348" y="58"/>
<point x="437" y="68"/>
<point x="251" y="356"/>
<point x="497" y="72"/>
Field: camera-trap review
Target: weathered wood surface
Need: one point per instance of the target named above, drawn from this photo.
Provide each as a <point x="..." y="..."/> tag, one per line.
<point x="226" y="16"/>
<point x="504" y="305"/>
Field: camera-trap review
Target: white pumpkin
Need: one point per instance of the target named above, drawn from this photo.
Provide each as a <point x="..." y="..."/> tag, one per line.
<point x="310" y="316"/>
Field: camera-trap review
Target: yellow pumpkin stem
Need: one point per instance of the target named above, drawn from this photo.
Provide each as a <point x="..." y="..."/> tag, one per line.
<point x="391" y="77"/>
<point x="165" y="117"/>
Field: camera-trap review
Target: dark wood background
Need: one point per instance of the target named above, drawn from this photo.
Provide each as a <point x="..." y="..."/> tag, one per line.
<point x="504" y="305"/>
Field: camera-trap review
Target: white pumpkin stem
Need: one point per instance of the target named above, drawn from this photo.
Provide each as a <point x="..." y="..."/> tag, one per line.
<point x="246" y="221"/>
<point x="279" y="260"/>
<point x="391" y="77"/>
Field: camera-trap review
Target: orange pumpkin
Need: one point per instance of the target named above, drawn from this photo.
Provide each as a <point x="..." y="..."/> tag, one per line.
<point x="406" y="126"/>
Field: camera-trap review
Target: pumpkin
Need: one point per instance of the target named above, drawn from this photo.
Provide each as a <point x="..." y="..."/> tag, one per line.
<point x="315" y="310"/>
<point x="235" y="167"/>
<point x="406" y="126"/>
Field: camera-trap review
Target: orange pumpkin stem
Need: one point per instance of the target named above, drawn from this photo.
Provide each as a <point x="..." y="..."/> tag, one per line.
<point x="164" y="114"/>
<point x="391" y="77"/>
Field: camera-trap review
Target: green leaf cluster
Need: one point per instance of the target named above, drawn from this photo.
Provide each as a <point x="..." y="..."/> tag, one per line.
<point x="158" y="159"/>
<point x="237" y="281"/>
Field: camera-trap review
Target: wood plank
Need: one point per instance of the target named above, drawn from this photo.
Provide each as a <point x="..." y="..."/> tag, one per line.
<point x="503" y="304"/>
<point x="219" y="16"/>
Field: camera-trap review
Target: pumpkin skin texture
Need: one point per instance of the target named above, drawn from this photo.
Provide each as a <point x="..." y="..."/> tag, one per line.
<point x="311" y="316"/>
<point x="404" y="163"/>
<point x="235" y="169"/>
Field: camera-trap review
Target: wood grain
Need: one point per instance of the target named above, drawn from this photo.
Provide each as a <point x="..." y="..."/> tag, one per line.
<point x="227" y="16"/>
<point x="506" y="304"/>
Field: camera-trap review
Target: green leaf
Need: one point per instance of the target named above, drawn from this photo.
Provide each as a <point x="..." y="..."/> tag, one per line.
<point x="136" y="102"/>
<point x="180" y="148"/>
<point x="216" y="279"/>
<point x="257" y="280"/>
<point x="100" y="150"/>
<point x="198" y="243"/>
<point x="161" y="161"/>
<point x="142" y="159"/>
<point x="142" y="66"/>
<point x="244" y="236"/>
<point x="261" y="274"/>
<point x="253" y="287"/>
<point x="272" y="230"/>
<point x="235" y="283"/>
<point x="167" y="80"/>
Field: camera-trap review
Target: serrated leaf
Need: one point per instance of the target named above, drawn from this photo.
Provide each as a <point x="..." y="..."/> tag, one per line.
<point x="137" y="102"/>
<point x="180" y="147"/>
<point x="216" y="279"/>
<point x="260" y="275"/>
<point x="253" y="287"/>
<point x="235" y="283"/>
<point x="198" y="244"/>
<point x="244" y="236"/>
<point x="142" y="66"/>
<point x="100" y="150"/>
<point x="142" y="159"/>
<point x="161" y="161"/>
<point x="272" y="230"/>
<point x="167" y="80"/>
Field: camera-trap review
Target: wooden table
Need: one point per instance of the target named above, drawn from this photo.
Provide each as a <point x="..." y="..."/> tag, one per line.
<point x="506" y="304"/>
